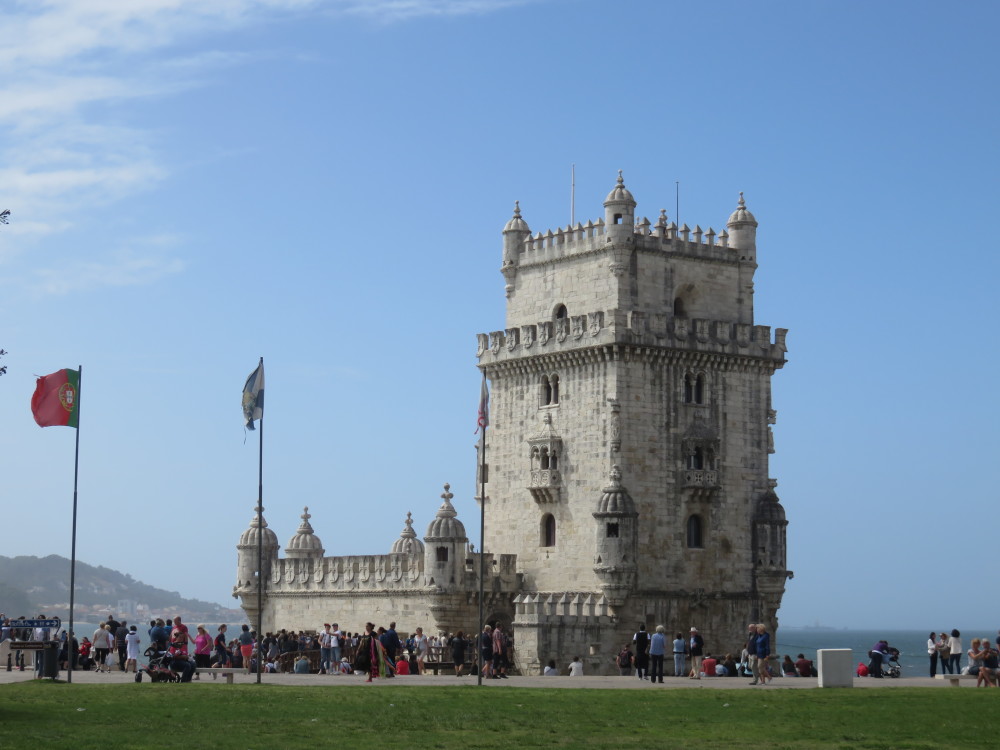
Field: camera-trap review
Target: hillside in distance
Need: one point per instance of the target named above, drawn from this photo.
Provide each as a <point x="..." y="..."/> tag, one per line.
<point x="30" y="583"/>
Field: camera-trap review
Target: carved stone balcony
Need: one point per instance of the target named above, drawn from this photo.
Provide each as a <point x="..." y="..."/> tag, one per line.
<point x="700" y="479"/>
<point x="545" y="485"/>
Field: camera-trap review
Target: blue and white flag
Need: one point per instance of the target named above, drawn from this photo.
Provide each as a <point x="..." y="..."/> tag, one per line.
<point x="253" y="396"/>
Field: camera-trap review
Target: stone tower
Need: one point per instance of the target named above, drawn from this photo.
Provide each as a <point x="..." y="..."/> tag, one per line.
<point x="630" y="351"/>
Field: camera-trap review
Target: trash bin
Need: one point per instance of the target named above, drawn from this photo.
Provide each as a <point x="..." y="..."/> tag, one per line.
<point x="50" y="660"/>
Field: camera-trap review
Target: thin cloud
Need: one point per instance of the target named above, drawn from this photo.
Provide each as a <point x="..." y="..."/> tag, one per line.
<point x="129" y="267"/>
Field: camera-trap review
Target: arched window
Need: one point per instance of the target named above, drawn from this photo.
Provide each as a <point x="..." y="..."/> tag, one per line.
<point x="694" y="540"/>
<point x="560" y="312"/>
<point x="554" y="461"/>
<point x="688" y="389"/>
<point x="442" y="554"/>
<point x="545" y="458"/>
<point x="555" y="389"/>
<point x="546" y="391"/>
<point x="548" y="530"/>
<point x="699" y="389"/>
<point x="679" y="307"/>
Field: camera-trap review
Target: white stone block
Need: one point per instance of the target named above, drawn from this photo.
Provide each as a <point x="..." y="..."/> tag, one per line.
<point x="835" y="667"/>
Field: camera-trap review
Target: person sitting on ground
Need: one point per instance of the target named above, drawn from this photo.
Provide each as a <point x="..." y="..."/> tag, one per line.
<point x="803" y="666"/>
<point x="403" y="664"/>
<point x="729" y="663"/>
<point x="576" y="667"/>
<point x="708" y="665"/>
<point x="550" y="669"/>
<point x="302" y="665"/>
<point x="788" y="667"/>
<point x="345" y="665"/>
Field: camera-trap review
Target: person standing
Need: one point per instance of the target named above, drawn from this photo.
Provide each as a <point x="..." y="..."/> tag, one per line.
<point x="419" y="648"/>
<point x="932" y="651"/>
<point x="336" y="643"/>
<point x="751" y="651"/>
<point x="763" y="652"/>
<point x="486" y="651"/>
<point x="500" y="644"/>
<point x="679" y="652"/>
<point x="132" y="649"/>
<point x="458" y="646"/>
<point x="246" y="647"/>
<point x="102" y="646"/>
<point x="657" y="649"/>
<point x="202" y="650"/>
<point x="221" y="651"/>
<point x="955" y="646"/>
<point x="641" y="641"/>
<point x="944" y="653"/>
<point x="325" y="650"/>
<point x="121" y="633"/>
<point x="696" y="647"/>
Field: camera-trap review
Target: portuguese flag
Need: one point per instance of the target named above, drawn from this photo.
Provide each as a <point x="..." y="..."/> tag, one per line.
<point x="57" y="399"/>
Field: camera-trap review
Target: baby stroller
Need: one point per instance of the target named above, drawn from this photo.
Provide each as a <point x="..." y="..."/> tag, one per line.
<point x="158" y="668"/>
<point x="890" y="666"/>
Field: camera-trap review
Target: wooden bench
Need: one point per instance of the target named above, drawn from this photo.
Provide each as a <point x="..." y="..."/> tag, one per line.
<point x="954" y="678"/>
<point x="226" y="672"/>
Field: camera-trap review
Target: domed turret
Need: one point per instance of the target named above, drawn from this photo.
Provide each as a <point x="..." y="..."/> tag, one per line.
<point x="246" y="550"/>
<point x="742" y="228"/>
<point x="619" y="210"/>
<point x="514" y="235"/>
<point x="617" y="540"/>
<point x="305" y="543"/>
<point x="408" y="544"/>
<point x="446" y="525"/>
<point x="446" y="542"/>
<point x="769" y="527"/>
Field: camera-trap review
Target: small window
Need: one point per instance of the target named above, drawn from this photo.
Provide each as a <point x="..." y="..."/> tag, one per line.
<point x="548" y="530"/>
<point x="442" y="554"/>
<point x="612" y="531"/>
<point x="561" y="313"/>
<point x="696" y="460"/>
<point x="688" y="389"/>
<point x="679" y="308"/>
<point x="699" y="389"/>
<point x="549" y="395"/>
<point x="694" y="540"/>
<point x="618" y="218"/>
<point x="555" y="389"/>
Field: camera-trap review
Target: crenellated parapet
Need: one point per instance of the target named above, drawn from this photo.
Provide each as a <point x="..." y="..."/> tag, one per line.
<point x="349" y="573"/>
<point x="634" y="327"/>
<point x="561" y="606"/>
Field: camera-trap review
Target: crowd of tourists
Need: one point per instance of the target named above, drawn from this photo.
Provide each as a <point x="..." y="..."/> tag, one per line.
<point x="644" y="656"/>
<point x="983" y="657"/>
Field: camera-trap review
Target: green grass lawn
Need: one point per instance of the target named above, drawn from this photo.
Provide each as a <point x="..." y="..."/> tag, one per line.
<point x="267" y="717"/>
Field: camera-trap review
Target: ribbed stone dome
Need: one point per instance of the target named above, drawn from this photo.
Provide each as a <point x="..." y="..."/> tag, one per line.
<point x="769" y="509"/>
<point x="446" y="524"/>
<point x="620" y="193"/>
<point x="615" y="498"/>
<point x="741" y="215"/>
<point x="304" y="543"/>
<point x="408" y="544"/>
<point x="517" y="224"/>
<point x="250" y="536"/>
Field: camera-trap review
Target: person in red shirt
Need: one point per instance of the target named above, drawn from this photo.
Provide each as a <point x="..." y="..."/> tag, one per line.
<point x="708" y="665"/>
<point x="803" y="666"/>
<point x="402" y="666"/>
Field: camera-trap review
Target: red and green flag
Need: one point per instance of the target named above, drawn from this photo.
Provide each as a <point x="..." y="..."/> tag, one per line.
<point x="57" y="399"/>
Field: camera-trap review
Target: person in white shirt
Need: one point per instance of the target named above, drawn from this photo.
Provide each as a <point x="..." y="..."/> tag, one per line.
<point x="576" y="667"/>
<point x="550" y="670"/>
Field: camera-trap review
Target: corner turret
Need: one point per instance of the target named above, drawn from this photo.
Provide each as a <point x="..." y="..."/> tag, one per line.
<point x="619" y="211"/>
<point x="514" y="234"/>
<point x="246" y="553"/>
<point x="408" y="544"/>
<point x="617" y="541"/>
<point x="742" y="228"/>
<point x="445" y="545"/>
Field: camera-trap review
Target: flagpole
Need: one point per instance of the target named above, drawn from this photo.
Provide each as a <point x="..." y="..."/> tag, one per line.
<point x="71" y="654"/>
<point x="260" y="543"/>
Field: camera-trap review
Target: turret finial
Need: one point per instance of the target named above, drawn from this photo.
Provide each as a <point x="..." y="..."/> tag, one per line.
<point x="446" y="494"/>
<point x="742" y="203"/>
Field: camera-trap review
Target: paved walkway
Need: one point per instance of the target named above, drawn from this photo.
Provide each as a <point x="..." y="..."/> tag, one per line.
<point x="620" y="683"/>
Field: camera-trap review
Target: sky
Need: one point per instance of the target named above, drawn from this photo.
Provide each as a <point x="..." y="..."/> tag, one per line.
<point x="196" y="185"/>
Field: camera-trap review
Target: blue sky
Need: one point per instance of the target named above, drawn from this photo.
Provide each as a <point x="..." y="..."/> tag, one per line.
<point x="195" y="185"/>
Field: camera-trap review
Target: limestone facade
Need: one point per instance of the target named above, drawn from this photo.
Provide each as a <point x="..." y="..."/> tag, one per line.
<point x="627" y="456"/>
